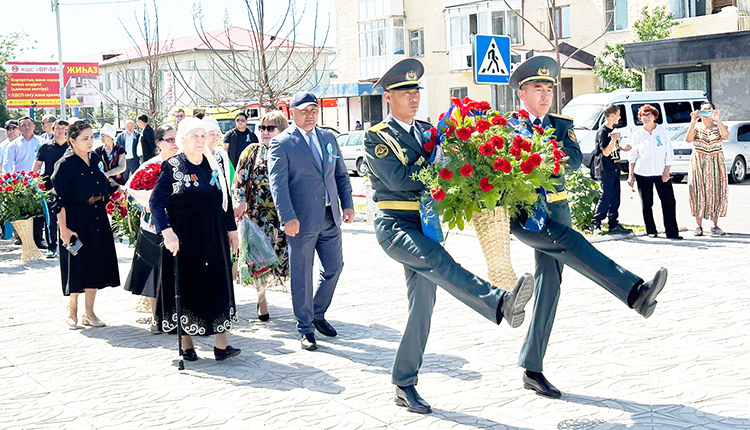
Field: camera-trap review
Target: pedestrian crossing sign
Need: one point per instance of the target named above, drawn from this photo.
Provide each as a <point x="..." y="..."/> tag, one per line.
<point x="491" y="62"/>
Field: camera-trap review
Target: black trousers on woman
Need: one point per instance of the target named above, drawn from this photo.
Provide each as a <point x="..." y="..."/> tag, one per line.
<point x="646" y="185"/>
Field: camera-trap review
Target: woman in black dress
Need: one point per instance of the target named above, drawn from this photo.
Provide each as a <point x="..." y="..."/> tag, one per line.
<point x="189" y="207"/>
<point x="144" y="272"/>
<point x="82" y="192"/>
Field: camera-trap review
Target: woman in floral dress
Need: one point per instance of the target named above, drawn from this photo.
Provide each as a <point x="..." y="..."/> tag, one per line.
<point x="253" y="195"/>
<point x="707" y="181"/>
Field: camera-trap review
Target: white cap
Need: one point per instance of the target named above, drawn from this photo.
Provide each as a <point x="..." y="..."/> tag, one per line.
<point x="211" y="123"/>
<point x="108" y="130"/>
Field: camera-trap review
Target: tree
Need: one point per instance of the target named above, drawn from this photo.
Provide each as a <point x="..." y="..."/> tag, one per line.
<point x="262" y="63"/>
<point x="11" y="46"/>
<point x="610" y="65"/>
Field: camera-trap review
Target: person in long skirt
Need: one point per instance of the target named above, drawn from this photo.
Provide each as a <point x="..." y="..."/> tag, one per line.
<point x="144" y="272"/>
<point x="707" y="181"/>
<point x="190" y="209"/>
<point x="82" y="192"/>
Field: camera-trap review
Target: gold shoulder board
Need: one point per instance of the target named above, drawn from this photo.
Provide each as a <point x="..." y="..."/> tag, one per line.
<point x="561" y="116"/>
<point x="378" y="127"/>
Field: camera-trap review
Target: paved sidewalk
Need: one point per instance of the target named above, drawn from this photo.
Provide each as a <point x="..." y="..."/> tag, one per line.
<point x="688" y="366"/>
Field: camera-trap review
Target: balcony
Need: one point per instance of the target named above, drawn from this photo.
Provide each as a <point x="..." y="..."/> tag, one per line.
<point x="726" y="21"/>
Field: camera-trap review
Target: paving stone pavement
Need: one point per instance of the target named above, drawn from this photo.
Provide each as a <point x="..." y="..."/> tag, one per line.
<point x="688" y="366"/>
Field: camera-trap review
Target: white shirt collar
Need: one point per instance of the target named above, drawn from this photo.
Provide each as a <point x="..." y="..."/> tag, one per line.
<point x="533" y="118"/>
<point x="404" y="125"/>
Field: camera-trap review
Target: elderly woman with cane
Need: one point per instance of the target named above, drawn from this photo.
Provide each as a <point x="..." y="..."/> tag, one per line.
<point x="190" y="209"/>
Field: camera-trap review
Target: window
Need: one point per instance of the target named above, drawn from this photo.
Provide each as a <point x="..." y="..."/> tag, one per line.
<point x="693" y="78"/>
<point x="562" y="20"/>
<point x="341" y="139"/>
<point x="355" y="139"/>
<point x="687" y="8"/>
<point x="616" y="14"/>
<point x="416" y="43"/>
<point x="381" y="37"/>
<point x="678" y="112"/>
<point x="119" y="80"/>
<point x="460" y="92"/>
<point x="634" y="107"/>
<point x="743" y="133"/>
<point x="507" y="23"/>
<point x="109" y="81"/>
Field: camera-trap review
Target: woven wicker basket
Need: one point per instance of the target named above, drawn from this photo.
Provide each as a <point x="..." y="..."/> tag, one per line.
<point x="25" y="229"/>
<point x="493" y="231"/>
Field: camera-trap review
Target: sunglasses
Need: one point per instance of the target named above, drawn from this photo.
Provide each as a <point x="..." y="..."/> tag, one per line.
<point x="170" y="140"/>
<point x="179" y="116"/>
<point x="240" y="120"/>
<point x="267" y="127"/>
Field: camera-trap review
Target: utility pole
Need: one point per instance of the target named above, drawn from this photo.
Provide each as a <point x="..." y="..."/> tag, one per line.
<point x="56" y="9"/>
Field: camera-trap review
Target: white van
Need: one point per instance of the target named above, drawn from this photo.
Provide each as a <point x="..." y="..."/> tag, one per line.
<point x="586" y="110"/>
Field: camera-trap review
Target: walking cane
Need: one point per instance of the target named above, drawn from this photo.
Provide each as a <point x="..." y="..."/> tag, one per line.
<point x="180" y="362"/>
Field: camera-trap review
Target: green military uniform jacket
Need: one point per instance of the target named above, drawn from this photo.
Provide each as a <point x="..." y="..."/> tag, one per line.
<point x="392" y="171"/>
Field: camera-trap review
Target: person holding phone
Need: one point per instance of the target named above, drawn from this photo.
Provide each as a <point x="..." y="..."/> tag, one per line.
<point x="88" y="261"/>
<point x="707" y="181"/>
<point x="607" y="171"/>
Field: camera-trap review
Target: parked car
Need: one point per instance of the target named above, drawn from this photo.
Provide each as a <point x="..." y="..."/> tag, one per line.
<point x="586" y="110"/>
<point x="353" y="151"/>
<point x="736" y="152"/>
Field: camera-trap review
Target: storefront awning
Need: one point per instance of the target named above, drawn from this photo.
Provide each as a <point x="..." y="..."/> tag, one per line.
<point x="354" y="89"/>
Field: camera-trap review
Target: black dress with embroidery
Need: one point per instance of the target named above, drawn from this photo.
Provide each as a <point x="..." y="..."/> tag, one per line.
<point x="95" y="265"/>
<point x="188" y="199"/>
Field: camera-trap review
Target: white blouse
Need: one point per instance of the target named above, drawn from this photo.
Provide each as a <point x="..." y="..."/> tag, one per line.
<point x="651" y="152"/>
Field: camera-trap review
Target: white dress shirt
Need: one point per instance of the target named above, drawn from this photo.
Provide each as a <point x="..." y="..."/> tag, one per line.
<point x="651" y="152"/>
<point x="20" y="154"/>
<point x="408" y="127"/>
<point x="129" y="142"/>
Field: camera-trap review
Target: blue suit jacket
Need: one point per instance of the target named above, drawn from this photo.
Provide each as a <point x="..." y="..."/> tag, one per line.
<point x="299" y="186"/>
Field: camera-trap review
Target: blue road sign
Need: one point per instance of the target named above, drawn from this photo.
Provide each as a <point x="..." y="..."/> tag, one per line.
<point x="491" y="62"/>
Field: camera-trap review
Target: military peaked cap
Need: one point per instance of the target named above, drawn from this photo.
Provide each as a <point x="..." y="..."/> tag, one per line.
<point x="404" y="75"/>
<point x="535" y="69"/>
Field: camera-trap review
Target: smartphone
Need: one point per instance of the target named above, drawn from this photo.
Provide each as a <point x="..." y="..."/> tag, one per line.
<point x="75" y="245"/>
<point x="705" y="113"/>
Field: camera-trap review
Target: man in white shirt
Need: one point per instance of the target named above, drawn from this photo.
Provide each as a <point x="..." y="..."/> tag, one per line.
<point x="21" y="151"/>
<point x="12" y="132"/>
<point x="129" y="140"/>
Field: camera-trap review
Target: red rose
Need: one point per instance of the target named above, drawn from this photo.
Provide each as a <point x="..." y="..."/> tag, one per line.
<point x="456" y="101"/>
<point x="449" y="131"/>
<point x="483" y="125"/>
<point x="539" y="129"/>
<point x="466" y="170"/>
<point x="498" y="142"/>
<point x="487" y="149"/>
<point x="429" y="145"/>
<point x="556" y="169"/>
<point x="517" y="141"/>
<point x="484" y="105"/>
<point x="523" y="113"/>
<point x="526" y="146"/>
<point x="499" y="120"/>
<point x="527" y="167"/>
<point x="23" y="172"/>
<point x="123" y="211"/>
<point x="446" y="174"/>
<point x="42" y="187"/>
<point x="516" y="152"/>
<point x="485" y="185"/>
<point x="554" y="143"/>
<point x="110" y="207"/>
<point x="463" y="133"/>
<point x="502" y="164"/>
<point x="557" y="154"/>
<point x="465" y="110"/>
<point x="26" y="182"/>
<point x="467" y="100"/>
<point x="8" y="189"/>
<point x="437" y="193"/>
<point x="535" y="159"/>
<point x="433" y="133"/>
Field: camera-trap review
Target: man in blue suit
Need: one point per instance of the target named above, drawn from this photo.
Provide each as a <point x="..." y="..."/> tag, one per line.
<point x="308" y="180"/>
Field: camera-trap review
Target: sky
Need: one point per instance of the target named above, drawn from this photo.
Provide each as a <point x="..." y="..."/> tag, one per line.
<point x="93" y="26"/>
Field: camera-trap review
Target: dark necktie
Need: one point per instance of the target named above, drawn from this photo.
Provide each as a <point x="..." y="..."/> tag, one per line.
<point x="316" y="153"/>
<point x="537" y="121"/>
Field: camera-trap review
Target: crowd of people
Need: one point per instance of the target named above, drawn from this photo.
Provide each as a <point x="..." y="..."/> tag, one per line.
<point x="293" y="185"/>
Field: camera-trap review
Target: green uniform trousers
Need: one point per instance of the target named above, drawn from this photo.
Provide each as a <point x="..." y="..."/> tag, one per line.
<point x="556" y="246"/>
<point x="426" y="265"/>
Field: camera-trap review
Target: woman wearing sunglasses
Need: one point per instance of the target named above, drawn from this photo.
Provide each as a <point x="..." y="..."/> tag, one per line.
<point x="253" y="195"/>
<point x="144" y="272"/>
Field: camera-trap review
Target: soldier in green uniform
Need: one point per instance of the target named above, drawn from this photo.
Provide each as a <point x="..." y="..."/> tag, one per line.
<point x="395" y="151"/>
<point x="557" y="244"/>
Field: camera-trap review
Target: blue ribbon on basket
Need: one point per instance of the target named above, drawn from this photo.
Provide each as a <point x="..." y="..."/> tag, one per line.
<point x="331" y="154"/>
<point x="430" y="220"/>
<point x="215" y="179"/>
<point x="538" y="217"/>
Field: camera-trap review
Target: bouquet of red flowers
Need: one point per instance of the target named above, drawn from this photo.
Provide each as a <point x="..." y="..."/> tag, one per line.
<point x="125" y="217"/>
<point x="489" y="160"/>
<point x="145" y="179"/>
<point x="22" y="196"/>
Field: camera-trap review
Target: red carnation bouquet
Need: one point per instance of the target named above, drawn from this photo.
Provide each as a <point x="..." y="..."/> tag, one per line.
<point x="145" y="179"/>
<point x="489" y="160"/>
<point x="124" y="217"/>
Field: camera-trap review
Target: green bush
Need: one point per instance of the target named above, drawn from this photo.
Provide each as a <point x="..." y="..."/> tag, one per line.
<point x="583" y="195"/>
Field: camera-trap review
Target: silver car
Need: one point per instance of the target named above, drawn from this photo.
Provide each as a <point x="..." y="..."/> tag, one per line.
<point x="352" y="149"/>
<point x="736" y="152"/>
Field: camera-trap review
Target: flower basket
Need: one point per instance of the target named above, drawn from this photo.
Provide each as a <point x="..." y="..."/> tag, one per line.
<point x="491" y="168"/>
<point x="25" y="230"/>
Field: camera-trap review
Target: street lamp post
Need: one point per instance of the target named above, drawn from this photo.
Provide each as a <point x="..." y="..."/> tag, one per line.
<point x="56" y="8"/>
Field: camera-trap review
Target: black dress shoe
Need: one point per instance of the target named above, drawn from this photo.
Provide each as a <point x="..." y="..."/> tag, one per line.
<point x="265" y="317"/>
<point x="647" y="292"/>
<point x="189" y="354"/>
<point x="537" y="382"/>
<point x="410" y="399"/>
<point x="619" y="229"/>
<point x="678" y="237"/>
<point x="515" y="300"/>
<point x="308" y="342"/>
<point x="223" y="354"/>
<point x="324" y="328"/>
